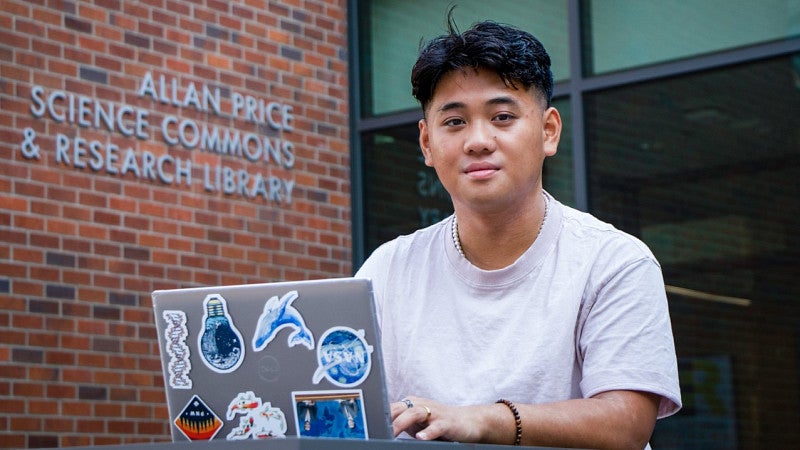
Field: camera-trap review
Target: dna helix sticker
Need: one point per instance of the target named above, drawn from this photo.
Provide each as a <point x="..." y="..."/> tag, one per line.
<point x="179" y="365"/>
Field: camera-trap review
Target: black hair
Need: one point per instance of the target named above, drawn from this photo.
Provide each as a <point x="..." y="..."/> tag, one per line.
<point x="515" y="55"/>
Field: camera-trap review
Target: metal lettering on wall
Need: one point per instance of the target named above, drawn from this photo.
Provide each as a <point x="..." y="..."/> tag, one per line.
<point x="130" y="121"/>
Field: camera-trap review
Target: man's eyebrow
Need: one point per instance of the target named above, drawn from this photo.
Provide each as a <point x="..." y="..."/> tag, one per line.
<point x="502" y="100"/>
<point x="451" y="105"/>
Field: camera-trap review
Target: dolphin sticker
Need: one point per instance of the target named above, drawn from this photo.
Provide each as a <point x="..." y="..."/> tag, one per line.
<point x="278" y="314"/>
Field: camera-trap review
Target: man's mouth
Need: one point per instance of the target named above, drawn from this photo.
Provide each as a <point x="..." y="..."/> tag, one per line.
<point x="481" y="170"/>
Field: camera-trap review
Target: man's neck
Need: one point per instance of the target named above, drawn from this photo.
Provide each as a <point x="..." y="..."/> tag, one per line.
<point x="494" y="241"/>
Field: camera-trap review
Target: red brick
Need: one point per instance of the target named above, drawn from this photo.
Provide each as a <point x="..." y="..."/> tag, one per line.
<point x="120" y="427"/>
<point x="107" y="440"/>
<point x="43" y="339"/>
<point x="152" y="428"/>
<point x="133" y="235"/>
<point x="43" y="373"/>
<point x="28" y="390"/>
<point x="90" y="426"/>
<point x="16" y="440"/>
<point x="61" y="391"/>
<point x="58" y="424"/>
<point x="59" y="357"/>
<point x="27" y="321"/>
<point x="102" y="409"/>
<point x="139" y="411"/>
<point x="123" y="394"/>
<point x="92" y="360"/>
<point x="107" y="377"/>
<point x="12" y="406"/>
<point x="74" y="441"/>
<point x="48" y="407"/>
<point x="77" y="408"/>
<point x="76" y="375"/>
<point x="76" y="342"/>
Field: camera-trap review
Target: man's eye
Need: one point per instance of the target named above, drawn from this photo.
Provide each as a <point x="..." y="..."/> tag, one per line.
<point x="454" y="122"/>
<point x="503" y="117"/>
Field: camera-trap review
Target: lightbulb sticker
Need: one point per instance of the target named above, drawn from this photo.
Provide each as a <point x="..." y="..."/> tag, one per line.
<point x="344" y="356"/>
<point x="220" y="343"/>
<point x="179" y="364"/>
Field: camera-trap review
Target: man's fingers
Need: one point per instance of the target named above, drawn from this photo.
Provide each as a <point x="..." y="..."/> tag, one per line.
<point x="410" y="419"/>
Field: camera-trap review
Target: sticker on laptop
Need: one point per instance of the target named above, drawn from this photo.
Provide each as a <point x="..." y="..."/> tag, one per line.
<point x="334" y="414"/>
<point x="257" y="420"/>
<point x="197" y="421"/>
<point x="220" y="342"/>
<point x="175" y="334"/>
<point x="344" y="357"/>
<point x="279" y="314"/>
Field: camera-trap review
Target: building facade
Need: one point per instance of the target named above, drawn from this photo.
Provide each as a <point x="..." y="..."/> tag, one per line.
<point x="150" y="145"/>
<point x="172" y="143"/>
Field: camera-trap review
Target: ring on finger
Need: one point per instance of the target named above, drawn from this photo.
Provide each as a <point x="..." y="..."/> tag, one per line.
<point x="407" y="402"/>
<point x="427" y="413"/>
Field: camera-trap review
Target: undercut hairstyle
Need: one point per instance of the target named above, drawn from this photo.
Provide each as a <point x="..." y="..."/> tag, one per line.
<point x="516" y="56"/>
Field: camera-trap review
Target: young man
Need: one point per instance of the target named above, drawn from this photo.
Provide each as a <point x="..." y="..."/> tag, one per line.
<point x="517" y="319"/>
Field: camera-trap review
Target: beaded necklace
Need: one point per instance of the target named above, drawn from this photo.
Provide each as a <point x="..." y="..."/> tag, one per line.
<point x="457" y="240"/>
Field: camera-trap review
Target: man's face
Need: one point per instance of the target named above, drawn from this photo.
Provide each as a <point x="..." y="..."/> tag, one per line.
<point x="487" y="141"/>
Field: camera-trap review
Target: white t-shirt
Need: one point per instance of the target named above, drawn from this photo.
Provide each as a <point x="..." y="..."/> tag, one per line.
<point x="582" y="311"/>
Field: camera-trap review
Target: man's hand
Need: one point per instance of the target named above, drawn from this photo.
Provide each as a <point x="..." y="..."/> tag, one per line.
<point x="613" y="420"/>
<point x="427" y="420"/>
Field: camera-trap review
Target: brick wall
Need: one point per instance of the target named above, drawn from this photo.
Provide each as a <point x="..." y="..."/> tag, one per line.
<point x="96" y="211"/>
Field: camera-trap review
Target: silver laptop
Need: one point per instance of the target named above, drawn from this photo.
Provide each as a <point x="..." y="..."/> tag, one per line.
<point x="260" y="361"/>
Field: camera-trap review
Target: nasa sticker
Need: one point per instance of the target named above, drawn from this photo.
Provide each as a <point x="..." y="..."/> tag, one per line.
<point x="344" y="357"/>
<point x="220" y="342"/>
<point x="175" y="334"/>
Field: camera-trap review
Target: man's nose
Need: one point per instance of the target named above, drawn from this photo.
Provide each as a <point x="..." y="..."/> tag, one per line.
<point x="480" y="138"/>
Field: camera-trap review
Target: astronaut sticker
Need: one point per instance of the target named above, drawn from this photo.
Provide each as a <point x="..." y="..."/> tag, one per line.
<point x="335" y="414"/>
<point x="197" y="421"/>
<point x="220" y="343"/>
<point x="257" y="420"/>
<point x="179" y="365"/>
<point x="344" y="357"/>
<point x="279" y="314"/>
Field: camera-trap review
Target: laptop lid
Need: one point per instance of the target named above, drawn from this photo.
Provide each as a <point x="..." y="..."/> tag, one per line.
<point x="272" y="360"/>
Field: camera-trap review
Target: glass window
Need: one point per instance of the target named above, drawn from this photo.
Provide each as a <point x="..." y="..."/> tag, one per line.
<point x="628" y="33"/>
<point x="392" y="32"/>
<point x="402" y="194"/>
<point x="705" y="168"/>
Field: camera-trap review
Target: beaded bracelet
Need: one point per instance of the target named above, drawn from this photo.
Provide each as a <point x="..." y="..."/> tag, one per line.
<point x="517" y="420"/>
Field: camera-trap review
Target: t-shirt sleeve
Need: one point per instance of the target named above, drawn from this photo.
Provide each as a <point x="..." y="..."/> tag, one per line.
<point x="376" y="268"/>
<point x="625" y="335"/>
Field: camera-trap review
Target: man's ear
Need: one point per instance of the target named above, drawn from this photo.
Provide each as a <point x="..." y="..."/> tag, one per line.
<point x="424" y="142"/>
<point x="551" y="128"/>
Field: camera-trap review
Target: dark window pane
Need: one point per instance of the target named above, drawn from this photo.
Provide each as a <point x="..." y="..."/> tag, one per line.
<point x="705" y="169"/>
<point x="401" y="194"/>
